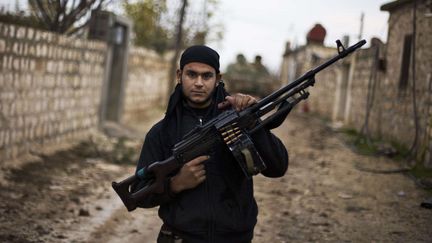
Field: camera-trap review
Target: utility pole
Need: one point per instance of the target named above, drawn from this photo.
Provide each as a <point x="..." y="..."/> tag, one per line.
<point x="361" y="26"/>
<point x="177" y="47"/>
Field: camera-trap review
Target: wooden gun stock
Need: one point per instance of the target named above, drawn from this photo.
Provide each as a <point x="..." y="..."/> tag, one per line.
<point x="154" y="184"/>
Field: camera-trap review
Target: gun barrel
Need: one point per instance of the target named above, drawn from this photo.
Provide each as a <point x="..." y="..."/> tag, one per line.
<point x="306" y="76"/>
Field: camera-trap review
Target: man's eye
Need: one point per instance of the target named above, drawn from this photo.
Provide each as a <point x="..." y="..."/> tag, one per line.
<point x="191" y="74"/>
<point x="207" y="75"/>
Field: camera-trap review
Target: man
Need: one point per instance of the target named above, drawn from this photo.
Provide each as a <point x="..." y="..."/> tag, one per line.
<point x="209" y="199"/>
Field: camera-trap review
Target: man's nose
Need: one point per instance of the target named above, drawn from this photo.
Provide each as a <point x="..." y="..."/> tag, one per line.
<point x="199" y="81"/>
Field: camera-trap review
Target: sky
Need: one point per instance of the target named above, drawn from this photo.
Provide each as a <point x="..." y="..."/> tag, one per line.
<point x="257" y="27"/>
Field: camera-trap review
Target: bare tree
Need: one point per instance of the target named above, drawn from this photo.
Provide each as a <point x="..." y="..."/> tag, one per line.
<point x="64" y="16"/>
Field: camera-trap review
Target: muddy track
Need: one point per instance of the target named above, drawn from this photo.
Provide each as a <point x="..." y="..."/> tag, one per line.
<point x="67" y="196"/>
<point x="323" y="198"/>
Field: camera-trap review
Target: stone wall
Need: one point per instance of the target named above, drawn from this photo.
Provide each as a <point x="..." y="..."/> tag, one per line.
<point x="146" y="84"/>
<point x="319" y="100"/>
<point x="368" y="82"/>
<point x="364" y="84"/>
<point x="49" y="88"/>
<point x="397" y="103"/>
<point x="299" y="61"/>
<point x="391" y="109"/>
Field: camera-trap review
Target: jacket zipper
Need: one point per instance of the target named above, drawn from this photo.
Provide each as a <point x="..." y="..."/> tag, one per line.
<point x="211" y="217"/>
<point x="210" y="205"/>
<point x="209" y="208"/>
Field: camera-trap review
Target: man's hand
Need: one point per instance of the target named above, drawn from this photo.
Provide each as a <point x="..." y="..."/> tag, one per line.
<point x="238" y="101"/>
<point x="190" y="175"/>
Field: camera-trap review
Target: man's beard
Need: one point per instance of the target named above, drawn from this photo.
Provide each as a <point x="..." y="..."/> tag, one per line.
<point x="209" y="98"/>
<point x="200" y="103"/>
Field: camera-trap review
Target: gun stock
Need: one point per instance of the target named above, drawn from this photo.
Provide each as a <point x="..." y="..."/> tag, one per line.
<point x="154" y="183"/>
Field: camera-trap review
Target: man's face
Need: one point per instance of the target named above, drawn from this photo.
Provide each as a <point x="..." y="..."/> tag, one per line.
<point x="198" y="81"/>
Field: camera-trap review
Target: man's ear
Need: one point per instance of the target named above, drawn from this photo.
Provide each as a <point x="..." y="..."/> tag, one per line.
<point x="218" y="78"/>
<point x="178" y="76"/>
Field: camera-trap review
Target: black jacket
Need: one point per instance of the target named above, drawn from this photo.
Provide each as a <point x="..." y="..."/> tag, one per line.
<point x="222" y="208"/>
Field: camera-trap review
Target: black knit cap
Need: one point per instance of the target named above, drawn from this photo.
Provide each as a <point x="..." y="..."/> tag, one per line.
<point x="202" y="54"/>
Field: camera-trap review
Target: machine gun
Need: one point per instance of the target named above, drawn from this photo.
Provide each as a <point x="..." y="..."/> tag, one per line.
<point x="231" y="128"/>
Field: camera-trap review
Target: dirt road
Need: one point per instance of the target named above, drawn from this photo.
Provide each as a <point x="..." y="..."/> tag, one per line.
<point x="66" y="196"/>
<point x="325" y="199"/>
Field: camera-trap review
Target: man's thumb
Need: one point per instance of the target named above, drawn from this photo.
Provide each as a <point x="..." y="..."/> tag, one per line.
<point x="225" y="104"/>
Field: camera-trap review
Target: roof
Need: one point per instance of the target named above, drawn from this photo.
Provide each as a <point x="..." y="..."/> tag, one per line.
<point x="393" y="5"/>
<point x="317" y="34"/>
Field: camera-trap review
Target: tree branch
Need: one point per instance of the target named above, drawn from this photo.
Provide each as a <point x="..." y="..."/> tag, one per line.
<point x="76" y="13"/>
<point x="76" y="29"/>
<point x="40" y="12"/>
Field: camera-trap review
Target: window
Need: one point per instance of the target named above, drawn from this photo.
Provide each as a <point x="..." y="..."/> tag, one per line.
<point x="406" y="61"/>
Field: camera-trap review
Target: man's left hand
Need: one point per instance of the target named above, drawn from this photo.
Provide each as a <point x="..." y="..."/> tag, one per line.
<point x="238" y="101"/>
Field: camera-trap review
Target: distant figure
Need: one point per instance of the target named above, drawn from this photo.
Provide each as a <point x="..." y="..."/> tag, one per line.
<point x="260" y="69"/>
<point x="252" y="78"/>
<point x="239" y="76"/>
<point x="241" y="69"/>
<point x="265" y="83"/>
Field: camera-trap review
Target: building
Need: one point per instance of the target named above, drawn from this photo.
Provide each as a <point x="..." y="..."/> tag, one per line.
<point x="385" y="90"/>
